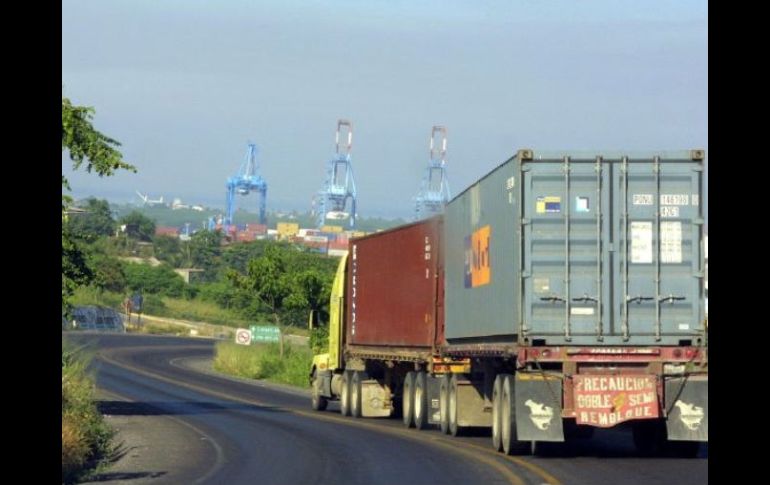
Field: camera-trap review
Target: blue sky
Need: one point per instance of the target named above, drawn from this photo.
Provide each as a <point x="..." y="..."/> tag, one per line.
<point x="184" y="85"/>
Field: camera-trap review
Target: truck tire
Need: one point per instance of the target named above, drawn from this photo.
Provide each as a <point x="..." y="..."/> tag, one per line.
<point x="497" y="399"/>
<point x="454" y="428"/>
<point x="355" y="394"/>
<point x="420" y="403"/>
<point x="443" y="403"/>
<point x="317" y="401"/>
<point x="407" y="401"/>
<point x="345" y="394"/>
<point x="511" y="446"/>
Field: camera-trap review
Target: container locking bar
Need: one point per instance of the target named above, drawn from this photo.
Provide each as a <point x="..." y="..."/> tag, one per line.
<point x="656" y="169"/>
<point x="567" y="205"/>
<point x="598" y="168"/>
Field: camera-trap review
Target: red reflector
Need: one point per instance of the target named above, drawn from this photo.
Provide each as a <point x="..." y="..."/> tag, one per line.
<point x="677" y="353"/>
<point x="534" y="352"/>
<point x="690" y="353"/>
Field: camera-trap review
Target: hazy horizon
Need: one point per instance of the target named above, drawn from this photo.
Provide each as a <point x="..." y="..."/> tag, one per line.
<point x="185" y="85"/>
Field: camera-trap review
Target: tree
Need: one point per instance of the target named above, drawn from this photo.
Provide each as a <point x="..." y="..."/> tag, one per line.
<point x="267" y="279"/>
<point x="204" y="252"/>
<point x="96" y="221"/>
<point x="274" y="280"/>
<point x="168" y="250"/>
<point x="138" y="226"/>
<point x="85" y="145"/>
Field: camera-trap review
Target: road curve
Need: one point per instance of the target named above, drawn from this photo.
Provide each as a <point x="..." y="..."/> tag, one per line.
<point x="260" y="432"/>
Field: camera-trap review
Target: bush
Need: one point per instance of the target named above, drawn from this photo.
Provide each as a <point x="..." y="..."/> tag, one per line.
<point x="86" y="438"/>
<point x="319" y="340"/>
<point x="158" y="280"/>
<point x="264" y="361"/>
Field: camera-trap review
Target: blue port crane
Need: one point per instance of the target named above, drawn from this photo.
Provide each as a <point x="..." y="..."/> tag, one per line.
<point x="339" y="185"/>
<point x="434" y="189"/>
<point x="247" y="180"/>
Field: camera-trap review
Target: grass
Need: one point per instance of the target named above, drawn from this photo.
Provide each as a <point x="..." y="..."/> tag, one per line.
<point x="176" y="308"/>
<point x="263" y="361"/>
<point x="86" y="438"/>
<point x="201" y="311"/>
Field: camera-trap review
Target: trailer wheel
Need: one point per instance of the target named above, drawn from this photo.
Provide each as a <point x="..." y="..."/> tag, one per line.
<point x="443" y="403"/>
<point x="407" y="401"/>
<point x="511" y="445"/>
<point x="345" y="394"/>
<point x="355" y="394"/>
<point x="454" y="428"/>
<point x="420" y="404"/>
<point x="497" y="394"/>
<point x="318" y="402"/>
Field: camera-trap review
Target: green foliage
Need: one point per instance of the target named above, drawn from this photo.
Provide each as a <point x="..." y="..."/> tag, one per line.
<point x="319" y="339"/>
<point x="85" y="145"/>
<point x="96" y="221"/>
<point x="159" y="280"/>
<point x="91" y="295"/>
<point x="108" y="272"/>
<point x="74" y="270"/>
<point x="263" y="361"/>
<point x="168" y="249"/>
<point x="86" y="437"/>
<point x="138" y="226"/>
<point x="205" y="251"/>
<point x="237" y="256"/>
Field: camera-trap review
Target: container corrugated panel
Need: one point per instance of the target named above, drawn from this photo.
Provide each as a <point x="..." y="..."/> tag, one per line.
<point x="393" y="290"/>
<point x="579" y="248"/>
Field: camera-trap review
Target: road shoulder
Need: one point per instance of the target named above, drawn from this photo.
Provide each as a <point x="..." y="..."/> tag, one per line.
<point x="154" y="448"/>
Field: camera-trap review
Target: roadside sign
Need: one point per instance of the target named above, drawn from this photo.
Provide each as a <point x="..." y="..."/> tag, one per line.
<point x="137" y="301"/>
<point x="243" y="336"/>
<point x="265" y="333"/>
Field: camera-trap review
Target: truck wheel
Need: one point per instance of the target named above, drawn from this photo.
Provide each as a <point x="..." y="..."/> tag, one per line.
<point x="420" y="404"/>
<point x="345" y="394"/>
<point x="318" y="402"/>
<point x="511" y="445"/>
<point x="407" y="401"/>
<point x="497" y="394"/>
<point x="454" y="428"/>
<point x="443" y="403"/>
<point x="355" y="394"/>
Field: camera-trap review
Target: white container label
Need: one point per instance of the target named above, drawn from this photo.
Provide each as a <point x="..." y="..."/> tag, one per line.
<point x="641" y="242"/>
<point x="581" y="311"/>
<point x="670" y="242"/>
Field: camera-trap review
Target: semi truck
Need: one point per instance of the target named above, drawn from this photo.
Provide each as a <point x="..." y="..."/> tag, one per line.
<point x="567" y="294"/>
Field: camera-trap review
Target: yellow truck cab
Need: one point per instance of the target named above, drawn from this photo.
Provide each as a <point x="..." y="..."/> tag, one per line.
<point x="327" y="365"/>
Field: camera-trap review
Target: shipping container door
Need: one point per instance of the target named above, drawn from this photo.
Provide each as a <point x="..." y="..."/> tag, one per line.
<point x="658" y="274"/>
<point x="565" y="265"/>
<point x="611" y="251"/>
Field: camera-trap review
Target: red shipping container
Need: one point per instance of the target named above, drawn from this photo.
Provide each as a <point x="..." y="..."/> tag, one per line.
<point x="395" y="287"/>
<point x="256" y="228"/>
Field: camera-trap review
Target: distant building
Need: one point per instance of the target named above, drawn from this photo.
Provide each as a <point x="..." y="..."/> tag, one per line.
<point x="167" y="231"/>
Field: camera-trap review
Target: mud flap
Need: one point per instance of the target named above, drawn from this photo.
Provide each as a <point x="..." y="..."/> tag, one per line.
<point x="325" y="377"/>
<point x="434" y="412"/>
<point x="538" y="408"/>
<point x="375" y="400"/>
<point x="687" y="406"/>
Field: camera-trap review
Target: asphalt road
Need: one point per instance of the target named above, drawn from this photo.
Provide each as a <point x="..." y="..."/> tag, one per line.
<point x="200" y="427"/>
